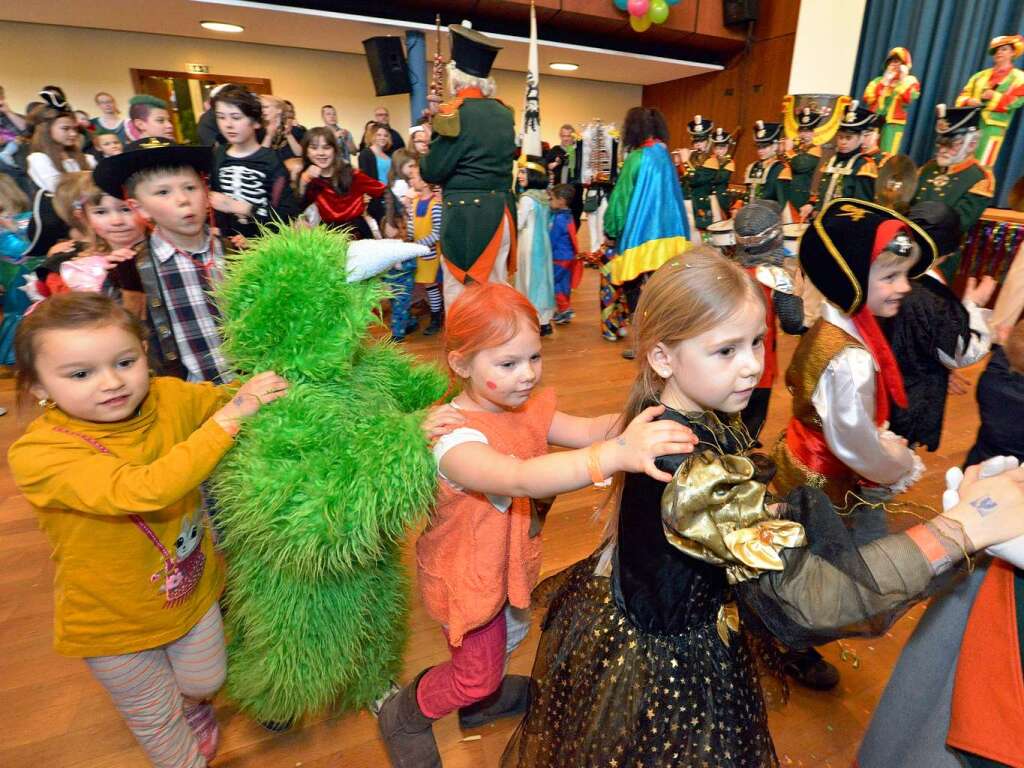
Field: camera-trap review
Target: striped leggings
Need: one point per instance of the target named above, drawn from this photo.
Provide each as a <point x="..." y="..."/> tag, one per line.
<point x="156" y="690"/>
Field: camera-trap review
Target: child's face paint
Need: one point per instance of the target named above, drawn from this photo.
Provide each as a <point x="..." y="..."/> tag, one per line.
<point x="490" y="384"/>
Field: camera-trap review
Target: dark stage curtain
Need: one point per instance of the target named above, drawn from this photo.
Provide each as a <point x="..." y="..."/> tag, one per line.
<point x="948" y="41"/>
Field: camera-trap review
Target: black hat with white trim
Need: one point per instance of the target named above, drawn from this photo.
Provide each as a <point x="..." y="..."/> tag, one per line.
<point x="857" y="118"/>
<point x="956" y="121"/>
<point x="699" y="128"/>
<point x="766" y="133"/>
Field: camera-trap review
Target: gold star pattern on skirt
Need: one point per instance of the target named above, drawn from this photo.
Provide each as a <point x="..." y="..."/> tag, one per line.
<point x="606" y="693"/>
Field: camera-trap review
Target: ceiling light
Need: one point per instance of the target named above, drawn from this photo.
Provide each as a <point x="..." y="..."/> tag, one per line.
<point x="564" y="66"/>
<point x="220" y="26"/>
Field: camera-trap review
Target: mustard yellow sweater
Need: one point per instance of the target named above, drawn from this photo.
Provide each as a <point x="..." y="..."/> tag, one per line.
<point x="115" y="590"/>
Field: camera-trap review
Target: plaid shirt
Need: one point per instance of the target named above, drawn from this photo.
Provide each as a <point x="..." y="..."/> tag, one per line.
<point x="186" y="280"/>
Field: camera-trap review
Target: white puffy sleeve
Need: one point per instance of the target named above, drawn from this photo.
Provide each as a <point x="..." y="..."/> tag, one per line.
<point x="980" y="339"/>
<point x="524" y="212"/>
<point x="845" y="402"/>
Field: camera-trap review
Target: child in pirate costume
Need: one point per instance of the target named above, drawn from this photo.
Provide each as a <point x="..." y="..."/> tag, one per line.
<point x="471" y="157"/>
<point x="843" y="376"/>
<point x="935" y="331"/>
<point x="700" y="169"/>
<point x="848" y="173"/>
<point x="768" y="177"/>
<point x="954" y="176"/>
<point x="759" y="250"/>
<point x="803" y="162"/>
<point x="889" y="95"/>
<point x="999" y="91"/>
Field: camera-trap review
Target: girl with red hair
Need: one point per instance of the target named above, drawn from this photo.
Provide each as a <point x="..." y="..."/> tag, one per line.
<point x="479" y="558"/>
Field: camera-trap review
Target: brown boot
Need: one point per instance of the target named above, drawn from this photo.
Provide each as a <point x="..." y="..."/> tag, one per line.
<point x="512" y="698"/>
<point x="408" y="733"/>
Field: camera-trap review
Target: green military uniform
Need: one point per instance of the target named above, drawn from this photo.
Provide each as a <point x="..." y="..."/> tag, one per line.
<point x="705" y="175"/>
<point x="803" y="162"/>
<point x="849" y="174"/>
<point x="966" y="185"/>
<point x="471" y="157"/>
<point x="768" y="179"/>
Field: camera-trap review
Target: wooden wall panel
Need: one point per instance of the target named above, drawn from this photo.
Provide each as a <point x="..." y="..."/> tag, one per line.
<point x="750" y="88"/>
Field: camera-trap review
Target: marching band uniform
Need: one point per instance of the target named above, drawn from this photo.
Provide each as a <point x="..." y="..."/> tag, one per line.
<point x="849" y="174"/>
<point x="803" y="161"/>
<point x="768" y="178"/>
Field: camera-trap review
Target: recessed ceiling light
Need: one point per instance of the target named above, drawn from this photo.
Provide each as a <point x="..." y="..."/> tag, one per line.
<point x="220" y="26"/>
<point x="564" y="66"/>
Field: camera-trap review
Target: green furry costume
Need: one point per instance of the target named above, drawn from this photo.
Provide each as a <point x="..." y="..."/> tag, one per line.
<point x="321" y="486"/>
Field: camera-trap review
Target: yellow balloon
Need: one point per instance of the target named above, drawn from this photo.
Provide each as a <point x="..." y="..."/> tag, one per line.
<point x="640" y="23"/>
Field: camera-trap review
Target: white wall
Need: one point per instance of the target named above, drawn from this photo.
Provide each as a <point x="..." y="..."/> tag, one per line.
<point x="84" y="61"/>
<point x="825" y="51"/>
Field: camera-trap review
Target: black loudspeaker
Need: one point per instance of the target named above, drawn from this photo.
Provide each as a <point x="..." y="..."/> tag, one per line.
<point x="739" y="11"/>
<point x="387" y="65"/>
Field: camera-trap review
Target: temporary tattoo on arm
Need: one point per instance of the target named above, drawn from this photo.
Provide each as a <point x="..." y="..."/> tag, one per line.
<point x="985" y="505"/>
<point x="238" y="401"/>
<point x="621" y="440"/>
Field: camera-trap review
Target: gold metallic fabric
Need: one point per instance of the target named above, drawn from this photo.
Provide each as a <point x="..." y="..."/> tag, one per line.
<point x="714" y="510"/>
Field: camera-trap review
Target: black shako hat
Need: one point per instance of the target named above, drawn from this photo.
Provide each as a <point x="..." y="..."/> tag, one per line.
<point x="856" y="118"/>
<point x="111" y="173"/>
<point x="955" y="121"/>
<point x="699" y="128"/>
<point x="808" y="118"/>
<point x="836" y="251"/>
<point x="766" y="133"/>
<point x="472" y="52"/>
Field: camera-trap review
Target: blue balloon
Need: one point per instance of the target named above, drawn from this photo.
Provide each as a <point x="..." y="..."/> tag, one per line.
<point x="621" y="4"/>
<point x="672" y="2"/>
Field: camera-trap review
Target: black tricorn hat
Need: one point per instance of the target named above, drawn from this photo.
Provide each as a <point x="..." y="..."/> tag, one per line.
<point x="472" y="52"/>
<point x="837" y="250"/>
<point x="111" y="173"/>
<point x="940" y="222"/>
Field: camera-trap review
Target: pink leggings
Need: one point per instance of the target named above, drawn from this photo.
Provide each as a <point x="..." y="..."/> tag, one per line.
<point x="474" y="672"/>
<point x="156" y="690"/>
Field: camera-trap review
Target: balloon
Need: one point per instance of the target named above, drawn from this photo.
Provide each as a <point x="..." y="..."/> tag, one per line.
<point x="640" y="23"/>
<point x="623" y="5"/>
<point x="638" y="8"/>
<point x="672" y="2"/>
<point x="658" y="11"/>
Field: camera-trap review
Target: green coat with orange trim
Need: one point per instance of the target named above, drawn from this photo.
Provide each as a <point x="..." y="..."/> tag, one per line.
<point x="471" y="157"/>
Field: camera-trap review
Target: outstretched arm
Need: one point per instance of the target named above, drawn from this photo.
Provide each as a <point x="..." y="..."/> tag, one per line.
<point x="580" y="431"/>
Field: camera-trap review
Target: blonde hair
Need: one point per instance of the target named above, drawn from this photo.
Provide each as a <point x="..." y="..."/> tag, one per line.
<point x="888" y="259"/>
<point x="687" y="296"/>
<point x="12" y="199"/>
<point x="74" y="193"/>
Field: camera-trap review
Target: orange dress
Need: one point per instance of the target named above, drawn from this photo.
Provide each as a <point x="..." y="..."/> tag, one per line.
<point x="473" y="558"/>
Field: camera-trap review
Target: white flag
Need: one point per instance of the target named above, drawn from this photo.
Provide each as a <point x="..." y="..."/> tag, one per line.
<point x="530" y="140"/>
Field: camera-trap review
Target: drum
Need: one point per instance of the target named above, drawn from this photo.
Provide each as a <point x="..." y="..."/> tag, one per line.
<point x="721" y="234"/>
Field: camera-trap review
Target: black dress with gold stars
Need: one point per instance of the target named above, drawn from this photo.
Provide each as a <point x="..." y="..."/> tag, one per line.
<point x="631" y="669"/>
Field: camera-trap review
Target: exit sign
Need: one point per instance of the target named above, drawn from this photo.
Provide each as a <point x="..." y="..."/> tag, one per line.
<point x="198" y="69"/>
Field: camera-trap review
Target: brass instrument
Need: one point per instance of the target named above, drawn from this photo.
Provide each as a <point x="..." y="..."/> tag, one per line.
<point x="896" y="183"/>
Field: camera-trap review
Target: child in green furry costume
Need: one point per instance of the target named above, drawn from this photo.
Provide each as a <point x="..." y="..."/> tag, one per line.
<point x="319" y="489"/>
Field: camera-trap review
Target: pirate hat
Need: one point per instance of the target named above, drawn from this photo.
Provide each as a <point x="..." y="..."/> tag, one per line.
<point x="472" y="52"/>
<point x="808" y="118"/>
<point x="112" y="173"/>
<point x="836" y="252"/>
<point x="699" y="128"/>
<point x="856" y="118"/>
<point x="766" y="133"/>
<point x="940" y="222"/>
<point x="1017" y="41"/>
<point x="720" y="136"/>
<point x="955" y="121"/>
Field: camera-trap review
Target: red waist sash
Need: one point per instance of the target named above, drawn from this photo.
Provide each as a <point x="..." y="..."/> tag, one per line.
<point x="809" y="447"/>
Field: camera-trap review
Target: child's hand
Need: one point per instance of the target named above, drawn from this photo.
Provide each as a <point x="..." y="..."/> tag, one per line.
<point x="441" y="420"/>
<point x="240" y="242"/>
<point x="65" y="246"/>
<point x="990" y="510"/>
<point x="980" y="292"/>
<point x="227" y="204"/>
<point x="117" y="256"/>
<point x="958" y="384"/>
<point x="261" y="389"/>
<point x="645" y="439"/>
<point x="312" y="172"/>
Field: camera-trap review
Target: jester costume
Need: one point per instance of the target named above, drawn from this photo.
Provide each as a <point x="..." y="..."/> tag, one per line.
<point x="320" y="489"/>
<point x="645" y="214"/>
<point x="1007" y="86"/>
<point x="889" y="96"/>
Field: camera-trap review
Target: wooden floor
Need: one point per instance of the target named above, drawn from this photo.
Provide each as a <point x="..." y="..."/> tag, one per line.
<point x="56" y="716"/>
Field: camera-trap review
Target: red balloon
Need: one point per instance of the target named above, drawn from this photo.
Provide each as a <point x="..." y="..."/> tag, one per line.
<point x="638" y="7"/>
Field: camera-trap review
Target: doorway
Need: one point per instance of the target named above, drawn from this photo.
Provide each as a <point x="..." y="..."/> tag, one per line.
<point x="186" y="94"/>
